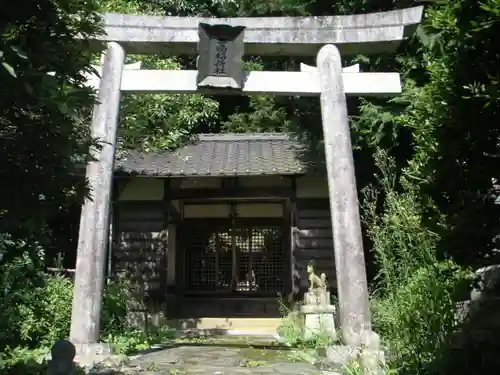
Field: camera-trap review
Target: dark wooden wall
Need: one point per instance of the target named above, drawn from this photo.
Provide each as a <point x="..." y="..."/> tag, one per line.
<point x="140" y="246"/>
<point x="312" y="241"/>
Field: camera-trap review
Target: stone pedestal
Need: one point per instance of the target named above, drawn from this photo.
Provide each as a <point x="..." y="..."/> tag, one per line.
<point x="93" y="353"/>
<point x="370" y="361"/>
<point x="369" y="356"/>
<point x="318" y="315"/>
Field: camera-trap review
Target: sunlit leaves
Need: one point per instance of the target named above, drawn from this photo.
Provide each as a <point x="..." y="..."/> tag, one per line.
<point x="162" y="121"/>
<point x="9" y="69"/>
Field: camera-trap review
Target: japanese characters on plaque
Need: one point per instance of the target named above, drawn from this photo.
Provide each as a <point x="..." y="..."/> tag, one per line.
<point x="220" y="63"/>
<point x="220" y="57"/>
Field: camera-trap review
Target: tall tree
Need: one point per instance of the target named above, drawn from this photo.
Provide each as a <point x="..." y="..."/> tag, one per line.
<point x="44" y="137"/>
<point x="43" y="118"/>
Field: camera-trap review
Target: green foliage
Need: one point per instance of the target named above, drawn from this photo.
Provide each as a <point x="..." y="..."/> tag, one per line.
<point x="263" y="116"/>
<point x="35" y="312"/>
<point x="25" y="361"/>
<point x="44" y="135"/>
<point x="292" y="325"/>
<point x="166" y="7"/>
<point x="162" y="121"/>
<point x="129" y="7"/>
<point x="401" y="242"/>
<point x="443" y="125"/>
<point x="432" y="204"/>
<point x="414" y="303"/>
<point x="131" y="340"/>
<point x="44" y="319"/>
<point x="472" y="109"/>
<point x="15" y="281"/>
<point x="255" y="8"/>
<point x="119" y="301"/>
<point x="417" y="317"/>
<point x="39" y="315"/>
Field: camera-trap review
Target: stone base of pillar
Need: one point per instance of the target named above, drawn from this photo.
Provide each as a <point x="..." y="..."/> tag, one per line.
<point x="371" y="361"/>
<point x="93" y="353"/>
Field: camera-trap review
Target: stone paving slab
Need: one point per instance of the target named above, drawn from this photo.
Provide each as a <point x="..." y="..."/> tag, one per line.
<point x="220" y="360"/>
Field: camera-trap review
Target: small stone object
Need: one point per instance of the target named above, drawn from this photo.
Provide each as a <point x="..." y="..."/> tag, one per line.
<point x="317" y="310"/>
<point x="318" y="288"/>
<point x="62" y="354"/>
<point x="220" y="63"/>
<point x="319" y="281"/>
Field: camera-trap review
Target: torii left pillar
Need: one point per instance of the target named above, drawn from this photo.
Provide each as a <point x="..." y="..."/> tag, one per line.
<point x="94" y="221"/>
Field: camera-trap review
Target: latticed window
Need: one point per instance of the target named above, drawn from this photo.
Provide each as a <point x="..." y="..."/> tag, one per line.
<point x="234" y="256"/>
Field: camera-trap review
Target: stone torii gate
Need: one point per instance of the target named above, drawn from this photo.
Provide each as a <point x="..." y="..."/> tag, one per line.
<point x="326" y="37"/>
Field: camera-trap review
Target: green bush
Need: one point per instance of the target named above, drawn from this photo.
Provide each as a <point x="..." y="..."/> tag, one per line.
<point x="417" y="317"/>
<point x="41" y="315"/>
<point x="18" y="281"/>
<point x="45" y="318"/>
<point x="45" y="315"/>
<point x="131" y="339"/>
<point x="292" y="326"/>
<point x="414" y="298"/>
<point x="118" y="300"/>
<point x="24" y="361"/>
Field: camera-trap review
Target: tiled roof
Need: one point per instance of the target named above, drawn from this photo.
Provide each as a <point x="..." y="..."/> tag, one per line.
<point x="221" y="155"/>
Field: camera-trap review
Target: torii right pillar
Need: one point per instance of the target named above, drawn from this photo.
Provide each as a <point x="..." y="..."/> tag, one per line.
<point x="354" y="308"/>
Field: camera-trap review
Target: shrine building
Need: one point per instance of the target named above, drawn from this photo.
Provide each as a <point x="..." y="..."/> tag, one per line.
<point x="214" y="232"/>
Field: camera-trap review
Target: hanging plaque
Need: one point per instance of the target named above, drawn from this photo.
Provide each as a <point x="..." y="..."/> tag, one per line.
<point x="220" y="63"/>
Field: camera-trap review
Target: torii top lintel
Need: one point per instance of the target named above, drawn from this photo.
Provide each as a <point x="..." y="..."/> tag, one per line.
<point x="266" y="36"/>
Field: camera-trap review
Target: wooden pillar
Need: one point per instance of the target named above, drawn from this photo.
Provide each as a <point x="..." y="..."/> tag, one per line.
<point x="165" y="239"/>
<point x="294" y="274"/>
<point x="344" y="206"/>
<point x="94" y="221"/>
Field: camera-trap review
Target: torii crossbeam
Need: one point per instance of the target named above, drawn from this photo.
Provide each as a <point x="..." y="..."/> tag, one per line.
<point x="266" y="36"/>
<point x="270" y="83"/>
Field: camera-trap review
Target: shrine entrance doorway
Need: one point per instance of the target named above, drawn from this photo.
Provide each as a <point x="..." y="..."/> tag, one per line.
<point x="235" y="263"/>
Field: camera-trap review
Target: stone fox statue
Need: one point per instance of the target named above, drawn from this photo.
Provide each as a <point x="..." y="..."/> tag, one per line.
<point x="319" y="281"/>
